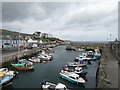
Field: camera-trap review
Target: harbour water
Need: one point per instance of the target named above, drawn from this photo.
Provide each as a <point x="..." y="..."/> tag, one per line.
<point x="50" y="71"/>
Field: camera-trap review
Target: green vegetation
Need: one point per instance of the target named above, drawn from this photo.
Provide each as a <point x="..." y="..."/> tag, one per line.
<point x="13" y="34"/>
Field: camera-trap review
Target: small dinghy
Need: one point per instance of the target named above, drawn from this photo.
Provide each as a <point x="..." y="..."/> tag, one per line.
<point x="51" y="86"/>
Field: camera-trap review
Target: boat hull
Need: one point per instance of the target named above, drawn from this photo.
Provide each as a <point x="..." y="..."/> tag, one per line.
<point x="72" y="81"/>
<point x="8" y="82"/>
<point x="22" y="68"/>
<point x="75" y="65"/>
<point x="69" y="79"/>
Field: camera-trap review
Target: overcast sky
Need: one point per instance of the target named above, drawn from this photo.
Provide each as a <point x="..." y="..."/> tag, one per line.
<point x="92" y="21"/>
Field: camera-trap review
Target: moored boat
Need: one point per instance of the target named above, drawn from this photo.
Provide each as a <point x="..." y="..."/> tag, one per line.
<point x="80" y="63"/>
<point x="6" y="76"/>
<point x="45" y="56"/>
<point x="72" y="77"/>
<point x="97" y="53"/>
<point x="23" y="65"/>
<point x="51" y="86"/>
<point x="34" y="60"/>
<point x="8" y="72"/>
<point x="78" y="70"/>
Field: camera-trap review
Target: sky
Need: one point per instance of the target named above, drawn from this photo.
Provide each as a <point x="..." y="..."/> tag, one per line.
<point x="77" y="21"/>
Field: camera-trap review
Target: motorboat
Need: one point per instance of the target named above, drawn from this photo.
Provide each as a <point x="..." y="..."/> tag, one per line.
<point x="43" y="57"/>
<point x="6" y="76"/>
<point x="97" y="53"/>
<point x="51" y="86"/>
<point x="23" y="65"/>
<point x="80" y="63"/>
<point x="34" y="60"/>
<point x="8" y="72"/>
<point x="77" y="70"/>
<point x="72" y="77"/>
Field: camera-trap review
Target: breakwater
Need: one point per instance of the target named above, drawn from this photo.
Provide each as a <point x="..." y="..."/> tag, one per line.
<point x="115" y="50"/>
<point x="13" y="56"/>
<point x="107" y="73"/>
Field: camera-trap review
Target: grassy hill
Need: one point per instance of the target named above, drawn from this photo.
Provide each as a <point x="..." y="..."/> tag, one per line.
<point x="13" y="34"/>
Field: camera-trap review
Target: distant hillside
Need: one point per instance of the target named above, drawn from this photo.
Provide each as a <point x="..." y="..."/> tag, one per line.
<point x="13" y="34"/>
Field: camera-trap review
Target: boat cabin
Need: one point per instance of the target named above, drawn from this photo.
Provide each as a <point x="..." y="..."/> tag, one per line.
<point x="74" y="76"/>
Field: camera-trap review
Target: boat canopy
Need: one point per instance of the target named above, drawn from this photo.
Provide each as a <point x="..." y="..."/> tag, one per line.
<point x="60" y="86"/>
<point x="19" y="64"/>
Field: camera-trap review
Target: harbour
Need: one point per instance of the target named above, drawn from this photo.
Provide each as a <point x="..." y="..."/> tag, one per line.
<point x="59" y="45"/>
<point x="50" y="71"/>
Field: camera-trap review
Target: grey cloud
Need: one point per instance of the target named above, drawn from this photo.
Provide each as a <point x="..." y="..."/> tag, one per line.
<point x="12" y="11"/>
<point x="62" y="19"/>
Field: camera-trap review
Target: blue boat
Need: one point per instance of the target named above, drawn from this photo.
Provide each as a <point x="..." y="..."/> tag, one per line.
<point x="6" y="79"/>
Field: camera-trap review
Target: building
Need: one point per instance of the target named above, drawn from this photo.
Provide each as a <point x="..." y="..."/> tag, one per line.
<point x="34" y="43"/>
<point x="37" y="34"/>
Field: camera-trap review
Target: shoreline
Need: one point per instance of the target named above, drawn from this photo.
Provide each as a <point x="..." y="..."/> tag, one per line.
<point x="12" y="56"/>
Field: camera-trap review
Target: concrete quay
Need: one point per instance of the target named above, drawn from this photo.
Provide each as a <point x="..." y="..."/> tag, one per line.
<point x="107" y="73"/>
<point x="12" y="56"/>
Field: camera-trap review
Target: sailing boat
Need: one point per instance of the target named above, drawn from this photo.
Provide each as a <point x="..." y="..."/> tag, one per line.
<point x="22" y="64"/>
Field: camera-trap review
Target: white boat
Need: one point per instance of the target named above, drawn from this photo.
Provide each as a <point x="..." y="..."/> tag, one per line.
<point x="71" y="77"/>
<point x="97" y="53"/>
<point x="82" y="57"/>
<point x="8" y="72"/>
<point x="6" y="76"/>
<point x="77" y="70"/>
<point x="51" y="86"/>
<point x="34" y="60"/>
<point x="75" y="64"/>
<point x="81" y="50"/>
<point x="45" y="57"/>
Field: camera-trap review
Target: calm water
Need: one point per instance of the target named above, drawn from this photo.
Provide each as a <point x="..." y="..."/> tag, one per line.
<point x="50" y="71"/>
